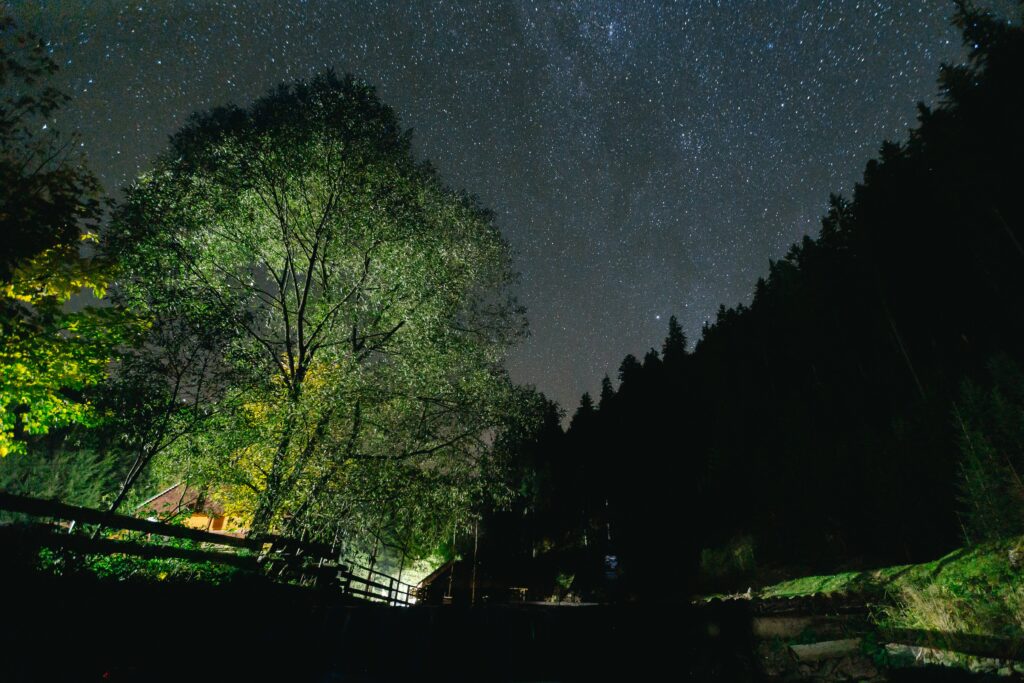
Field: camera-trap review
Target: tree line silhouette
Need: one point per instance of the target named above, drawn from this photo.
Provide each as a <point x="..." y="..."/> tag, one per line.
<point x="830" y="420"/>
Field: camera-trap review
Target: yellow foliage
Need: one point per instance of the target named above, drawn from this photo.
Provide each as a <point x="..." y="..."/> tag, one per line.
<point x="46" y="358"/>
<point x="55" y="275"/>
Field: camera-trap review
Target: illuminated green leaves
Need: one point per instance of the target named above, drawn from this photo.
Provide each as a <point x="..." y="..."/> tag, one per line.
<point x="367" y="306"/>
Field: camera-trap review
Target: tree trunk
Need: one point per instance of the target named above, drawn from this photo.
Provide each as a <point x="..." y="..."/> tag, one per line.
<point x="476" y="541"/>
<point x="266" y="505"/>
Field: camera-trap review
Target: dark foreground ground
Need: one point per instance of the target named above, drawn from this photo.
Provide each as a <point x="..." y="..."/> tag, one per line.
<point x="85" y="631"/>
<point x="74" y="630"/>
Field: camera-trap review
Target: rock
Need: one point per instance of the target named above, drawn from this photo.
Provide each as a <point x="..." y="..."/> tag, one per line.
<point x="780" y="627"/>
<point x="827" y="668"/>
<point x="856" y="668"/>
<point x="828" y="649"/>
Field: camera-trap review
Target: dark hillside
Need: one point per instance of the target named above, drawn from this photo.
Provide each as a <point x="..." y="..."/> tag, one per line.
<point x="822" y="423"/>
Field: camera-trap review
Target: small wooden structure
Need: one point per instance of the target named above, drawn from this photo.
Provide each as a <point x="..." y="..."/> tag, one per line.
<point x="204" y="512"/>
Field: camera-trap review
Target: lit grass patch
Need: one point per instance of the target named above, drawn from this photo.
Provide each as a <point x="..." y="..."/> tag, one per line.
<point x="973" y="591"/>
<point x="867" y="582"/>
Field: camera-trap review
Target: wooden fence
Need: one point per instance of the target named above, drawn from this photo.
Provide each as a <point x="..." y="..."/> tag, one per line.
<point x="990" y="647"/>
<point x="310" y="564"/>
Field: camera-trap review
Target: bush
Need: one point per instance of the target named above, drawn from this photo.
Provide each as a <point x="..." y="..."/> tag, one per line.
<point x="991" y="422"/>
<point x="121" y="567"/>
<point x="733" y="560"/>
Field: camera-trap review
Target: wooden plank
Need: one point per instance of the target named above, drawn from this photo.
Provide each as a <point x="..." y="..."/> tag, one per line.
<point x="57" y="510"/>
<point x="979" y="646"/>
<point x="377" y="597"/>
<point x="311" y="548"/>
<point x="356" y="565"/>
<point x="374" y="584"/>
<point x="106" y="546"/>
<point x="367" y="594"/>
<point x="829" y="649"/>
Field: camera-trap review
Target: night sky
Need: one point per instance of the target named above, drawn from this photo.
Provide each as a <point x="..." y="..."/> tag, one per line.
<point x="643" y="158"/>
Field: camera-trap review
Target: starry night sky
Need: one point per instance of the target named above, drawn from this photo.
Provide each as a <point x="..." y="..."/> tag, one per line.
<point x="643" y="158"/>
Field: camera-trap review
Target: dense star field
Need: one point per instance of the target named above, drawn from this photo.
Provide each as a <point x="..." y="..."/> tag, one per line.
<point x="643" y="158"/>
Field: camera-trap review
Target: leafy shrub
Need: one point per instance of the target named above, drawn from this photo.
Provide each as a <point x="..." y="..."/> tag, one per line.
<point x="734" y="559"/>
<point x="132" y="568"/>
<point x="991" y="422"/>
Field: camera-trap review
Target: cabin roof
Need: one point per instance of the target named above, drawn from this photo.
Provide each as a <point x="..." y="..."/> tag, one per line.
<point x="180" y="498"/>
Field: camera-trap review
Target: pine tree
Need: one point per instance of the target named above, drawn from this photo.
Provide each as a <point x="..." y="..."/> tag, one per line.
<point x="674" y="348"/>
<point x="629" y="370"/>
<point x="584" y="413"/>
<point x="607" y="393"/>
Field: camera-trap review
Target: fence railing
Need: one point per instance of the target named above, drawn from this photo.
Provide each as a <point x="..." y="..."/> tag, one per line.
<point x="377" y="585"/>
<point x="310" y="564"/>
<point x="992" y="647"/>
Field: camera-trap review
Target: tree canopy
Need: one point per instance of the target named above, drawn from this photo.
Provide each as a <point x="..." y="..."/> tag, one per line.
<point x="363" y="306"/>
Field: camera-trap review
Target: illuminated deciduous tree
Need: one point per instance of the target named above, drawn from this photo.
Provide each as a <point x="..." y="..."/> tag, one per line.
<point x="367" y="304"/>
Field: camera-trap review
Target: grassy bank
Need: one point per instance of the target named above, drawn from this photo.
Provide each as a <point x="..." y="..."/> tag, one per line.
<point x="977" y="590"/>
